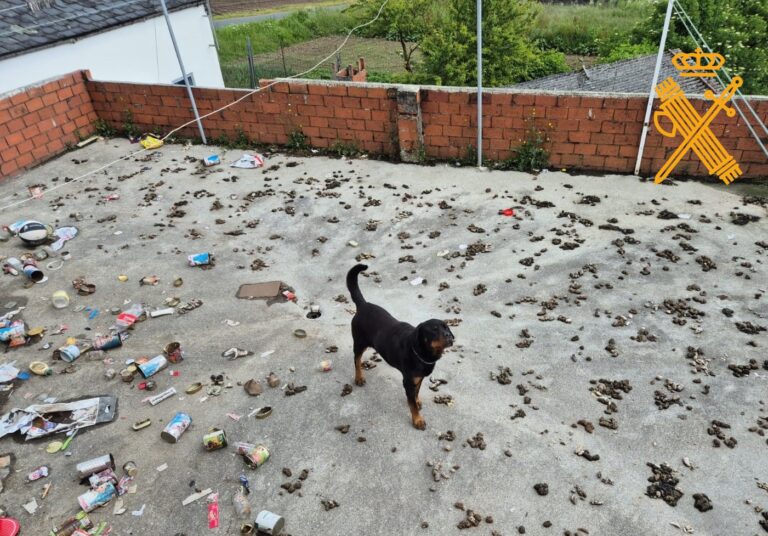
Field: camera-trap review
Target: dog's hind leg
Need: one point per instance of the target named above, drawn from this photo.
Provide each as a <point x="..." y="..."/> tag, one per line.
<point x="412" y="393"/>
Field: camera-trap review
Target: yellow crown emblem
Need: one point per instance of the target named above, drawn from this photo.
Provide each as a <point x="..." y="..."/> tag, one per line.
<point x="698" y="63"/>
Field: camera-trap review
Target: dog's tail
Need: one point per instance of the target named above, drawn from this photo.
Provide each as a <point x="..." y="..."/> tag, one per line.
<point x="352" y="285"/>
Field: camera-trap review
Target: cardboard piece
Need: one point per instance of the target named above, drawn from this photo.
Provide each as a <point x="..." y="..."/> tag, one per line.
<point x="255" y="291"/>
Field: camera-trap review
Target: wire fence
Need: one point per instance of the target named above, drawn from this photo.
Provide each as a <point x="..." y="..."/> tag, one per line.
<point x="220" y="7"/>
<point x="383" y="58"/>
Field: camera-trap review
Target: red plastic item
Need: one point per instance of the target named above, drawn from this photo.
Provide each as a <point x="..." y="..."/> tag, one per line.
<point x="507" y="212"/>
<point x="9" y="527"/>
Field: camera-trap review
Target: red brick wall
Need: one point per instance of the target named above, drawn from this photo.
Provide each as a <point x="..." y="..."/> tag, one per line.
<point x="585" y="131"/>
<point x="325" y="113"/>
<point x="37" y="122"/>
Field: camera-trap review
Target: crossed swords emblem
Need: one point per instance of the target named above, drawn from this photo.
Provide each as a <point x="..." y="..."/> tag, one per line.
<point x="697" y="136"/>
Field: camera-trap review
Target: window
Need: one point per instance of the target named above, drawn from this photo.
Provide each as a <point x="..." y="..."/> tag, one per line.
<point x="180" y="81"/>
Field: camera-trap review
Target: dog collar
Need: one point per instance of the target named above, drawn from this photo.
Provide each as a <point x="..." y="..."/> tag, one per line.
<point x="422" y="359"/>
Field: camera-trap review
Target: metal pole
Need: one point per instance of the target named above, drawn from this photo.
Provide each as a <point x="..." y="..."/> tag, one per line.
<point x="656" y="71"/>
<point x="183" y="72"/>
<point x="479" y="83"/>
<point x="251" y="72"/>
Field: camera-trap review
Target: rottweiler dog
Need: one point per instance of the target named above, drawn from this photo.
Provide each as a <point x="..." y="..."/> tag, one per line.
<point x="411" y="350"/>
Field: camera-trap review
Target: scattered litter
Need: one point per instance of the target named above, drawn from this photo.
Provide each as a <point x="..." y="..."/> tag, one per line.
<point x="196" y="496"/>
<point x="248" y="161"/>
<point x="139" y="512"/>
<point x="45" y="419"/>
<point x="212" y="160"/>
<point x="161" y="468"/>
<point x="30" y="507"/>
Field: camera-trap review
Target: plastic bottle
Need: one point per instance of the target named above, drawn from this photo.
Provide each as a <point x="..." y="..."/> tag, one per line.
<point x="242" y="506"/>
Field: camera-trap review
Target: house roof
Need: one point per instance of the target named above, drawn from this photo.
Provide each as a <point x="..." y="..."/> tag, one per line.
<point x="23" y="30"/>
<point x="627" y="76"/>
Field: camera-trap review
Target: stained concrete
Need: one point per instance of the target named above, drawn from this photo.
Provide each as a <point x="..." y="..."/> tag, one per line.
<point x="383" y="485"/>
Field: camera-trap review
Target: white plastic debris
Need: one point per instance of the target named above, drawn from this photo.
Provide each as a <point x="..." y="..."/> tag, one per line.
<point x="249" y="161"/>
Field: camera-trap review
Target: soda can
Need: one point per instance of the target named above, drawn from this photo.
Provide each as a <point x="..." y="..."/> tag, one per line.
<point x="67" y="353"/>
<point x="130" y="468"/>
<point x="256" y="457"/>
<point x="33" y="273"/>
<point x="176" y="427"/>
<point x="269" y="523"/>
<point x="90" y="500"/>
<point x="153" y="366"/>
<point x="174" y="353"/>
<point x="215" y="439"/>
<point x="107" y="343"/>
<point x="95" y="465"/>
<point x="200" y="259"/>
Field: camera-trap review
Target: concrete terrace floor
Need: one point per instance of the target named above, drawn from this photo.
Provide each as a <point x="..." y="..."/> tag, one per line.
<point x="567" y="303"/>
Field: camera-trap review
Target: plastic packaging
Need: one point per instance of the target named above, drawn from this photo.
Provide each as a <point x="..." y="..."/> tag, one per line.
<point x="241" y="503"/>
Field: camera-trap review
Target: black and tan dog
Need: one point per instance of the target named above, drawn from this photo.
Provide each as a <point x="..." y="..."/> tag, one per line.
<point x="412" y="350"/>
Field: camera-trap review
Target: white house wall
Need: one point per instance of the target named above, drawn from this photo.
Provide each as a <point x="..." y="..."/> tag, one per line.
<point x="141" y="52"/>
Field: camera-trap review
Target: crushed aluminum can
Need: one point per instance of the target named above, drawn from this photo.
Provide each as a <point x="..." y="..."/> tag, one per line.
<point x="215" y="439"/>
<point x="99" y="496"/>
<point x="107" y="343"/>
<point x="174" y="352"/>
<point x="176" y="427"/>
<point x="200" y="259"/>
<point x="269" y="523"/>
<point x="37" y="474"/>
<point x="153" y="366"/>
<point x="256" y="457"/>
<point x="95" y="465"/>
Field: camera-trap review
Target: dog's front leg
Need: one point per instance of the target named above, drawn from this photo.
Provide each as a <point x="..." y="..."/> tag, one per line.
<point x="411" y="386"/>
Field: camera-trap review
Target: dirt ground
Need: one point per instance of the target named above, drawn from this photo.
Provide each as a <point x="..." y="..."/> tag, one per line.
<point x="608" y="324"/>
<point x="221" y="7"/>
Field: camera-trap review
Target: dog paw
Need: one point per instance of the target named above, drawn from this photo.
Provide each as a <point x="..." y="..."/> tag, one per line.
<point x="359" y="382"/>
<point x="420" y="423"/>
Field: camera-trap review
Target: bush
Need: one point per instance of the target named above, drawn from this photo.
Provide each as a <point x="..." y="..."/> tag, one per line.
<point x="737" y="29"/>
<point x="547" y="62"/>
<point x="626" y="51"/>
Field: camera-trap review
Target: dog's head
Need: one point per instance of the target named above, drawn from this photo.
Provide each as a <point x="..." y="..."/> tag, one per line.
<point x="434" y="337"/>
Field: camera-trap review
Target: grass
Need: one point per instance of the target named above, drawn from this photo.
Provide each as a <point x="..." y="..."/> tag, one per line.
<point x="280" y="9"/>
<point x="590" y="30"/>
<point x="295" y="43"/>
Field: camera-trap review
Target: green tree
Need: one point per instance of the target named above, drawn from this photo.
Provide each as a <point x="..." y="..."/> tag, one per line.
<point x="737" y="29"/>
<point x="405" y="21"/>
<point x="509" y="54"/>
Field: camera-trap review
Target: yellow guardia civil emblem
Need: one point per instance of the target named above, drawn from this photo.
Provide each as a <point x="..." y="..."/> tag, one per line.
<point x="687" y="122"/>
